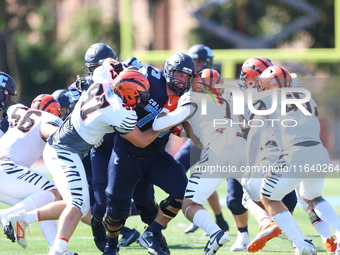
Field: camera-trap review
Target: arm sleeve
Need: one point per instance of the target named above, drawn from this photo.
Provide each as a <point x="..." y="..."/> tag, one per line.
<point x="172" y="118"/>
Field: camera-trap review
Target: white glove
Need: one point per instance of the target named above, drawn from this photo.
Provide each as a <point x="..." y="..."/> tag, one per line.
<point x="295" y="81"/>
<point x="184" y="99"/>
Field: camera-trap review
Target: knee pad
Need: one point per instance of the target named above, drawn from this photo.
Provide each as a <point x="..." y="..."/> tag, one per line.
<point x="236" y="207"/>
<point x="170" y="202"/>
<point x="148" y="213"/>
<point x="113" y="225"/>
<point x="290" y="201"/>
<point x="314" y="218"/>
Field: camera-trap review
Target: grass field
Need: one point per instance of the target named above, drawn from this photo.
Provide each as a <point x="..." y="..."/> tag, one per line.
<point x="179" y="243"/>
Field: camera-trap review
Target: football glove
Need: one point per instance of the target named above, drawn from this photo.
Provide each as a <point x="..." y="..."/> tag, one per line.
<point x="81" y="83"/>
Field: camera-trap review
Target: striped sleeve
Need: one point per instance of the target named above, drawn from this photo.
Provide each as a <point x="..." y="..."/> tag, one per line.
<point x="127" y="125"/>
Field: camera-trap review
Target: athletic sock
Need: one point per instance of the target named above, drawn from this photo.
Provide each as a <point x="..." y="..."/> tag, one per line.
<point x="323" y="230"/>
<point x="243" y="229"/>
<point x="326" y="212"/>
<point x="219" y="217"/>
<point x="36" y="200"/>
<point x="155" y="227"/>
<point x="49" y="230"/>
<point x="32" y="216"/>
<point x="60" y="244"/>
<point x="264" y="220"/>
<point x="287" y="224"/>
<point x="203" y="219"/>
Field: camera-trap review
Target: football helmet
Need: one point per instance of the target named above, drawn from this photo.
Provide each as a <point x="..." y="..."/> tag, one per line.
<point x="132" y="87"/>
<point x="7" y="89"/>
<point x="178" y="62"/>
<point x="96" y="54"/>
<point x="275" y="77"/>
<point x="206" y="80"/>
<point x="251" y="71"/>
<point x="200" y="51"/>
<point x="65" y="100"/>
<point x="47" y="103"/>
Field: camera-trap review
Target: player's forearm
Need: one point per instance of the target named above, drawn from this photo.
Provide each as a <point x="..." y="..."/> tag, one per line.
<point x="141" y="139"/>
<point x="165" y="121"/>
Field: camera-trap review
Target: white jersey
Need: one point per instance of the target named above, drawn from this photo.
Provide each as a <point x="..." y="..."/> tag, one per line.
<point x="22" y="143"/>
<point x="210" y="116"/>
<point x="294" y="127"/>
<point x="98" y="111"/>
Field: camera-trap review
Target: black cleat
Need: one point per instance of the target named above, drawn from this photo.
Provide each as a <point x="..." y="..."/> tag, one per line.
<point x="99" y="233"/>
<point x="9" y="232"/>
<point x="111" y="250"/>
<point x="152" y="242"/>
<point x="129" y="238"/>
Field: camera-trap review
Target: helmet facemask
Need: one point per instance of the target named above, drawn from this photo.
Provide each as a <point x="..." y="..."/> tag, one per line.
<point x="5" y="99"/>
<point x="172" y="81"/>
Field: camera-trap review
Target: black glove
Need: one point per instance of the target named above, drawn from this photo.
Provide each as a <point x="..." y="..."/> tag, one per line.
<point x="118" y="67"/>
<point x="81" y="83"/>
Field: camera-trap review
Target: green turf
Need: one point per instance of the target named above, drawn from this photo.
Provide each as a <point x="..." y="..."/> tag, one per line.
<point x="179" y="243"/>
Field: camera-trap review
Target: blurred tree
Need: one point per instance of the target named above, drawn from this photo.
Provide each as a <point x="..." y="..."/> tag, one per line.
<point x="37" y="60"/>
<point x="253" y="18"/>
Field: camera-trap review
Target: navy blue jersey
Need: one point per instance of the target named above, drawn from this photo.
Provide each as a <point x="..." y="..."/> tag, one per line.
<point x="76" y="92"/>
<point x="146" y="116"/>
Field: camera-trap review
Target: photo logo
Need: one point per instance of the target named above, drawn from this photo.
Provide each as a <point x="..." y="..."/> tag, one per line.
<point x="238" y="101"/>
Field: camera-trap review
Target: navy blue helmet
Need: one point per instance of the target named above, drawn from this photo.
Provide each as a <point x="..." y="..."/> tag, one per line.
<point x="178" y="62"/>
<point x="7" y="89"/>
<point x="96" y="54"/>
<point x="200" y="51"/>
<point x="65" y="100"/>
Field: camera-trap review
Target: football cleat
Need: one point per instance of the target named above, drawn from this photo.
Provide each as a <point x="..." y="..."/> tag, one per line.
<point x="111" y="250"/>
<point x="99" y="233"/>
<point x="217" y="240"/>
<point x="64" y="252"/>
<point x="330" y="245"/>
<point x="18" y="225"/>
<point x="308" y="249"/>
<point x="192" y="228"/>
<point x="152" y="242"/>
<point x="241" y="242"/>
<point x="164" y="244"/>
<point x="267" y="232"/>
<point x="129" y="238"/>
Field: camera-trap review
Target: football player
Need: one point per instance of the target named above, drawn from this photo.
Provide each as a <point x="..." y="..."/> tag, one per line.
<point x="7" y="90"/>
<point x="130" y="164"/>
<point x="108" y="105"/>
<point x="20" y="147"/>
<point x="189" y="154"/>
<point x="96" y="162"/>
<point x="222" y="147"/>
<point x="298" y="145"/>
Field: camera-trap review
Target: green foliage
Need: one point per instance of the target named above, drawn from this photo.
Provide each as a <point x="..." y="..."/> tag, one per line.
<point x="266" y="17"/>
<point x="46" y="63"/>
